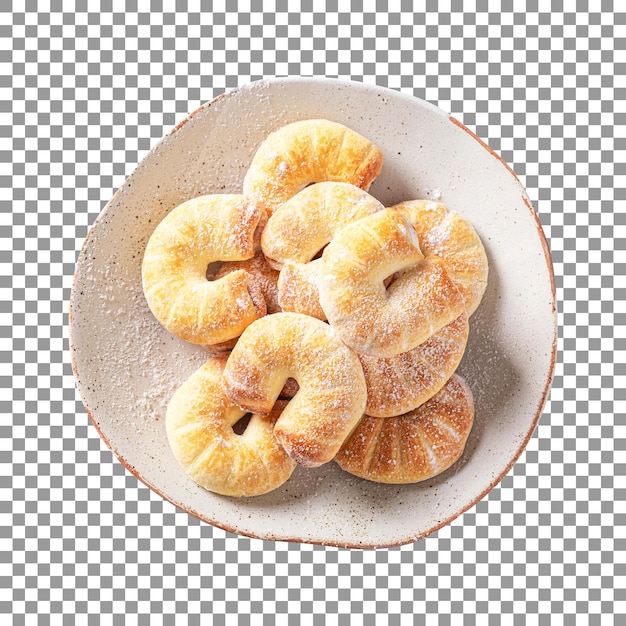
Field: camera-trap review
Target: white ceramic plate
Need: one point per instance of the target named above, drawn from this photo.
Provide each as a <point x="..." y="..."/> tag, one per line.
<point x="127" y="366"/>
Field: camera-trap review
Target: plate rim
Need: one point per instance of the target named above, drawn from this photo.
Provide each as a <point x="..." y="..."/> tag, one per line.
<point x="547" y="257"/>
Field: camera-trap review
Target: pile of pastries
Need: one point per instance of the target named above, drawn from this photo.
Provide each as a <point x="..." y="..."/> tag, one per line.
<point x="333" y="324"/>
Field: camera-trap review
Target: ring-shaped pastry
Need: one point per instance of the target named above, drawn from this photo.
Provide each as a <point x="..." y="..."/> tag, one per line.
<point x="200" y="422"/>
<point x="201" y="231"/>
<point x="369" y="316"/>
<point x="300" y="229"/>
<point x="398" y="384"/>
<point x="310" y="151"/>
<point x="331" y="395"/>
<point x="450" y="236"/>
<point x="415" y="446"/>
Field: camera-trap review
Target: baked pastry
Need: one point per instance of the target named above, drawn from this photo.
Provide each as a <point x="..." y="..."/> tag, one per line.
<point x="450" y="236"/>
<point x="299" y="230"/>
<point x="415" y="446"/>
<point x="368" y="316"/>
<point x="398" y="384"/>
<point x="331" y="396"/>
<point x="201" y="424"/>
<point x="310" y="151"/>
<point x="201" y="231"/>
<point x="252" y="277"/>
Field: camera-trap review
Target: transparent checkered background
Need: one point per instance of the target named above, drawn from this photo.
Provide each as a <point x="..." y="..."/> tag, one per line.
<point x="88" y="88"/>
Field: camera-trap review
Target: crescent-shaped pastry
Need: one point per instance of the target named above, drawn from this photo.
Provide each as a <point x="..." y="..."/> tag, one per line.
<point x="310" y="151"/>
<point x="201" y="424"/>
<point x="331" y="395"/>
<point x="398" y="384"/>
<point x="451" y="237"/>
<point x="415" y="446"/>
<point x="201" y="231"/>
<point x="373" y="318"/>
<point x="299" y="230"/>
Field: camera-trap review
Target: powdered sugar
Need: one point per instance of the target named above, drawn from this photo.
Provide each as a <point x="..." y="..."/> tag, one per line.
<point x="154" y="380"/>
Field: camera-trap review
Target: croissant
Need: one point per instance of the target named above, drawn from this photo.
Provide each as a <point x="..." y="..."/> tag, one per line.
<point x="331" y="395"/>
<point x="201" y="425"/>
<point x="415" y="446"/>
<point x="298" y="231"/>
<point x="310" y="151"/>
<point x="398" y="384"/>
<point x="201" y="231"/>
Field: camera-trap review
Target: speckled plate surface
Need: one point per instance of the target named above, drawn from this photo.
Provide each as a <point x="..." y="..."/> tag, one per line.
<point x="127" y="366"/>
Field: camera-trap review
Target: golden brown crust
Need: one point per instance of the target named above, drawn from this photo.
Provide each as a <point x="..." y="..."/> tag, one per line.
<point x="331" y="395"/>
<point x="398" y="384"/>
<point x="415" y="446"/>
<point x="368" y="316"/>
<point x="195" y="234"/>
<point x="310" y="151"/>
<point x="242" y="275"/>
<point x="199" y="425"/>
<point x="451" y="237"/>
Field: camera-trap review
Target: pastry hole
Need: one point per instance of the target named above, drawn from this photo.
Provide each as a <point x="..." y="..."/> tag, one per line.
<point x="390" y="280"/>
<point x="290" y="389"/>
<point x="319" y="253"/>
<point x="212" y="269"/>
<point x="239" y="427"/>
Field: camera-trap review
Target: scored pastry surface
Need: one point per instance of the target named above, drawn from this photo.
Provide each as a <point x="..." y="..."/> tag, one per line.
<point x="398" y="384"/>
<point x="201" y="231"/>
<point x="415" y="446"/>
<point x="310" y="151"/>
<point x="199" y="425"/>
